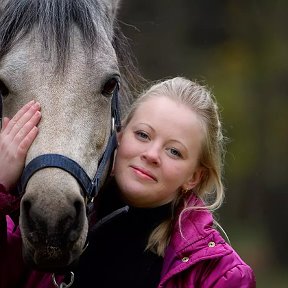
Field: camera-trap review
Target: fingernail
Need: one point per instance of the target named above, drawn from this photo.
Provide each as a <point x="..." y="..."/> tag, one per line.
<point x="31" y="102"/>
<point x="36" y="105"/>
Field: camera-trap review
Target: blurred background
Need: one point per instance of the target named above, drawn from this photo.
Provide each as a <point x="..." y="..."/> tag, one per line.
<point x="240" y="50"/>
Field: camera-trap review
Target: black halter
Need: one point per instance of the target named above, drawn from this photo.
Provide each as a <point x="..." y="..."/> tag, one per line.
<point x="89" y="186"/>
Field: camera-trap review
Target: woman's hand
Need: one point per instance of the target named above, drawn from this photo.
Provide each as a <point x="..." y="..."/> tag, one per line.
<point x="16" y="137"/>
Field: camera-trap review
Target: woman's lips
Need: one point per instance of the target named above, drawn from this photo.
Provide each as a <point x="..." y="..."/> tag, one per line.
<point x="144" y="173"/>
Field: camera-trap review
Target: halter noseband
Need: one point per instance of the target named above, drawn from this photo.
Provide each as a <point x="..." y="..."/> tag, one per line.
<point x="89" y="186"/>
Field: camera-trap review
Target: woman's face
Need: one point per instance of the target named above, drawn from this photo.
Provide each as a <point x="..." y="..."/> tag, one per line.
<point x="158" y="153"/>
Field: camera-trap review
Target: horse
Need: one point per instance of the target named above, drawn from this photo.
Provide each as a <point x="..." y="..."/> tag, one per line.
<point x="71" y="56"/>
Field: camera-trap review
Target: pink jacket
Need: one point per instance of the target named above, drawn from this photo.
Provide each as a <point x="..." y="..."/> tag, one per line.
<point x="198" y="256"/>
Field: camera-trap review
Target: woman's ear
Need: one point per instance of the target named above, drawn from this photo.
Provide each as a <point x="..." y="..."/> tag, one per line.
<point x="195" y="179"/>
<point x="119" y="136"/>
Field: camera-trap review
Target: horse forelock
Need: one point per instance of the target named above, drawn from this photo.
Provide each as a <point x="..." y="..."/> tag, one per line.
<point x="54" y="20"/>
<point x="19" y="17"/>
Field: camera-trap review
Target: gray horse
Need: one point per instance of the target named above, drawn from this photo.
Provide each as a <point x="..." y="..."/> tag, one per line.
<point x="69" y="56"/>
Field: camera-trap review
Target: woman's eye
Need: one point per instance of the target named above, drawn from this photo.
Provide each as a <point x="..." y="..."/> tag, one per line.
<point x="109" y="87"/>
<point x="142" y="135"/>
<point x="174" y="152"/>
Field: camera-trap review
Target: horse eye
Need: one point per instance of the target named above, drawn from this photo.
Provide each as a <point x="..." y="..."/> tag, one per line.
<point x="3" y="89"/>
<point x="109" y="87"/>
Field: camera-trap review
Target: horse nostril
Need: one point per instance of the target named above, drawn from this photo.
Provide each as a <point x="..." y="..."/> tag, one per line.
<point x="28" y="222"/>
<point x="78" y="207"/>
<point x="74" y="232"/>
<point x="26" y="206"/>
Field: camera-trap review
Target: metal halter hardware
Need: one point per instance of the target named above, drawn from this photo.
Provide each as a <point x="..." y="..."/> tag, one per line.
<point x="63" y="284"/>
<point x="89" y="186"/>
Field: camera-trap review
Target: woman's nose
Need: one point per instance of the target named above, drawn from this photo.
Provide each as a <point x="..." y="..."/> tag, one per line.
<point x="152" y="155"/>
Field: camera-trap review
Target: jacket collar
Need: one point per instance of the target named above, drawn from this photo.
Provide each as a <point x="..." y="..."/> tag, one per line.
<point x="191" y="225"/>
<point x="193" y="239"/>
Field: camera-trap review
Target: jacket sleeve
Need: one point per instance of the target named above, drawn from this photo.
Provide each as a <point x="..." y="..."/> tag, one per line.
<point x="9" y="209"/>
<point x="11" y="263"/>
<point x="9" y="206"/>
<point x="240" y="276"/>
<point x="8" y="202"/>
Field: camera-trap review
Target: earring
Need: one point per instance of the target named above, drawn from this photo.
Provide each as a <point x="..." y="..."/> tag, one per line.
<point x="185" y="190"/>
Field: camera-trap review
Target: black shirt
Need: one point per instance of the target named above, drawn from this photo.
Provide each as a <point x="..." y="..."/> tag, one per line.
<point x="116" y="255"/>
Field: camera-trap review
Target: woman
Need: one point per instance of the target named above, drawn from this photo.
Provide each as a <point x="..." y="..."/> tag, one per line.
<point x="167" y="169"/>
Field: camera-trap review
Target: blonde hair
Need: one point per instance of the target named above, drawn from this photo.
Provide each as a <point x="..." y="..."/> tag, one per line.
<point x="210" y="189"/>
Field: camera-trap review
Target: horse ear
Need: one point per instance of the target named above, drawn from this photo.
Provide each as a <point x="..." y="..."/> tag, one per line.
<point x="112" y="7"/>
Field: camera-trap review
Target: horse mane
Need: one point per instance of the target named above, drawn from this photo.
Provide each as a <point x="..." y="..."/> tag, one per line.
<point x="55" y="20"/>
<point x="133" y="82"/>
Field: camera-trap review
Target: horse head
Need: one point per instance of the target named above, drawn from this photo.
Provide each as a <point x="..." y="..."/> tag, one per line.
<point x="64" y="54"/>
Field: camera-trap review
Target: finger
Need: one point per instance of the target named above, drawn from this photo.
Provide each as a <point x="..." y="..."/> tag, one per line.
<point x="25" y="118"/>
<point x="18" y="115"/>
<point x="27" y="142"/>
<point x="5" y="123"/>
<point x="25" y="130"/>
